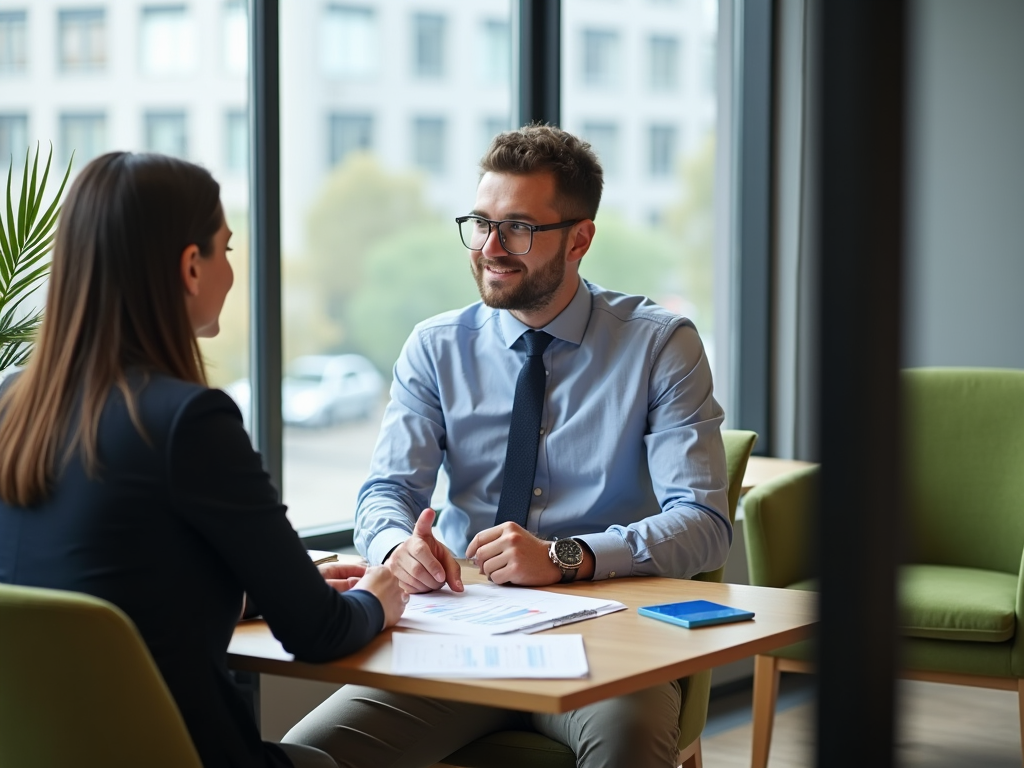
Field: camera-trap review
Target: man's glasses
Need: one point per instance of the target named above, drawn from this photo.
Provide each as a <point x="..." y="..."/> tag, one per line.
<point x="516" y="237"/>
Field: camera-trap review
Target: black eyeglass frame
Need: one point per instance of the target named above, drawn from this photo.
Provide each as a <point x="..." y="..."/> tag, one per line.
<point x="496" y="225"/>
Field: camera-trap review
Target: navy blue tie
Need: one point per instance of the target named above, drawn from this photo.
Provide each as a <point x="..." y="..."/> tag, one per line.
<point x="524" y="433"/>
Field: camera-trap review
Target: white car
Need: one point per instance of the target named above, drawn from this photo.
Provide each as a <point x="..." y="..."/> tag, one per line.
<point x="320" y="390"/>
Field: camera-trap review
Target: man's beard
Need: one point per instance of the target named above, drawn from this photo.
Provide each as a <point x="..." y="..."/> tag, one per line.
<point x="533" y="292"/>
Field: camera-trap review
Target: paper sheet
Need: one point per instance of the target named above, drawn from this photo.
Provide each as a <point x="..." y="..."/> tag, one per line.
<point x="491" y="609"/>
<point x="506" y="656"/>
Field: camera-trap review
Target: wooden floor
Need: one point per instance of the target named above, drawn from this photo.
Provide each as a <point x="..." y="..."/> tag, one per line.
<point x="942" y="726"/>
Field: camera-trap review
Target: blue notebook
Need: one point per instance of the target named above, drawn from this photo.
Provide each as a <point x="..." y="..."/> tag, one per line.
<point x="695" y="613"/>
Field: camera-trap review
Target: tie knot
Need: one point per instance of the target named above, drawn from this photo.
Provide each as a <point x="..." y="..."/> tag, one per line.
<point x="536" y="342"/>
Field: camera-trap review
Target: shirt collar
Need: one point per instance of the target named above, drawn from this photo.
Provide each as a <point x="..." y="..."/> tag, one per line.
<point x="569" y="325"/>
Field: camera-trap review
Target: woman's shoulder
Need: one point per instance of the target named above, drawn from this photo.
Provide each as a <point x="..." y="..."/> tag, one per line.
<point x="167" y="401"/>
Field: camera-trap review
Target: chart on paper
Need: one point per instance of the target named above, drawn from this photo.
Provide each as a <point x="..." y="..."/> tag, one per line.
<point x="509" y="656"/>
<point x="490" y="609"/>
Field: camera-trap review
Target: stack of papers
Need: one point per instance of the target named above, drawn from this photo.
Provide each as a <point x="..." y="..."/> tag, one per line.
<point x="491" y="609"/>
<point x="509" y="656"/>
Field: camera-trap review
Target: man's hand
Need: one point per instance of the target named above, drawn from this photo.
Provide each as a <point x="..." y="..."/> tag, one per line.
<point x="422" y="563"/>
<point x="509" y="554"/>
<point x="341" y="576"/>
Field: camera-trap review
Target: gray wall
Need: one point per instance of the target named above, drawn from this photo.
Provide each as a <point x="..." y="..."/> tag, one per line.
<point x="965" y="275"/>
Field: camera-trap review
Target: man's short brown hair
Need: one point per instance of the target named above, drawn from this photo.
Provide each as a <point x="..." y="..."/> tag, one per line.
<point x="545" y="148"/>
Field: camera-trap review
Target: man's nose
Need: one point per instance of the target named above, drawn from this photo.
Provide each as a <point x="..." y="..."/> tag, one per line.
<point x="492" y="245"/>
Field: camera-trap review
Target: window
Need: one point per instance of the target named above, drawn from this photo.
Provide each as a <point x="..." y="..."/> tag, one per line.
<point x="428" y="144"/>
<point x="600" y="58"/>
<point x="710" y="71"/>
<point x="348" y="134"/>
<point x="83" y="134"/>
<point x="428" y="45"/>
<point x="604" y="138"/>
<point x="663" y="150"/>
<point x="348" y="42"/>
<point x="13" y="139"/>
<point x="236" y="131"/>
<point x="83" y="40"/>
<point x="656" y="140"/>
<point x="166" y="133"/>
<point x="492" y="126"/>
<point x="664" y="63"/>
<point x="236" y="38"/>
<point x="495" y="51"/>
<point x="167" y="41"/>
<point x="13" y="50"/>
<point x="374" y="170"/>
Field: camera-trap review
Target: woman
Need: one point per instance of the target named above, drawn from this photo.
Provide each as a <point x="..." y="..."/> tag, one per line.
<point x="123" y="476"/>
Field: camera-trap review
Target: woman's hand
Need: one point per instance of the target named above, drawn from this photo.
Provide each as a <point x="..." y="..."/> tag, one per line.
<point x="342" y="576"/>
<point x="382" y="584"/>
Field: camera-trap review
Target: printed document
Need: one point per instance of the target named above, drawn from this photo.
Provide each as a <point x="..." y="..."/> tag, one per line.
<point x="508" y="656"/>
<point x="491" y="609"/>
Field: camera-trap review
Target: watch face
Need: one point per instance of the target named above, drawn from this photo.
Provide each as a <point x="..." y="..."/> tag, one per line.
<point x="569" y="552"/>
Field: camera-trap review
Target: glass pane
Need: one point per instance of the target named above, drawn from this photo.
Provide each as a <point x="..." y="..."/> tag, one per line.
<point x="380" y="151"/>
<point x="638" y="83"/>
<point x="153" y="87"/>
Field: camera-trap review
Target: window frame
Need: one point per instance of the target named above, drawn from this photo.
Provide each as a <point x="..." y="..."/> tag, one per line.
<point x="536" y="49"/>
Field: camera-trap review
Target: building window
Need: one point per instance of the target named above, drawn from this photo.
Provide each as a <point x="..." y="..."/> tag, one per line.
<point x="600" y="58"/>
<point x="496" y="52"/>
<point x="236" y="131"/>
<point x="348" y="134"/>
<point x="604" y="138"/>
<point x="83" y="40"/>
<point x="664" y="73"/>
<point x="428" y="45"/>
<point x="13" y="138"/>
<point x="428" y="144"/>
<point x="13" y="50"/>
<point x="348" y="42"/>
<point x="710" y="69"/>
<point x="167" y="41"/>
<point x="166" y="133"/>
<point x="83" y="134"/>
<point x="236" y="38"/>
<point x="663" y="150"/>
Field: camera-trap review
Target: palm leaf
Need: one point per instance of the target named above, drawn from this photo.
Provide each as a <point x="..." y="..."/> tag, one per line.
<point x="25" y="240"/>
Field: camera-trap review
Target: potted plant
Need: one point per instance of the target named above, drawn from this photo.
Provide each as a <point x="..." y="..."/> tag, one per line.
<point x="25" y="240"/>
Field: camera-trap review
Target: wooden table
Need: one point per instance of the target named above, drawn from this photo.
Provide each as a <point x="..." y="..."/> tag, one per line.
<point x="761" y="469"/>
<point x="627" y="652"/>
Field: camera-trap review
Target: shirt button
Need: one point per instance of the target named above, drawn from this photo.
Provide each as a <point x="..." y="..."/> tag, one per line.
<point x="611" y="575"/>
<point x="547" y="373"/>
<point x="537" y="491"/>
<point x="542" y="430"/>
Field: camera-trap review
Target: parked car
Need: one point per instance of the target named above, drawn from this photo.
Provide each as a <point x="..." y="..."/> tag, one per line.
<point x="320" y="390"/>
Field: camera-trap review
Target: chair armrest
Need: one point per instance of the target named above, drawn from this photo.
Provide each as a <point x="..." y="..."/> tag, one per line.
<point x="777" y="528"/>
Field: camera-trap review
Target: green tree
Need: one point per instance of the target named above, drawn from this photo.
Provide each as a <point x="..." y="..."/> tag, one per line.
<point x="409" y="277"/>
<point x="629" y="259"/>
<point x="359" y="204"/>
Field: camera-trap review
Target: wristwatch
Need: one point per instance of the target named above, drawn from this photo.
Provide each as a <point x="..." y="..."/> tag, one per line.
<point x="567" y="554"/>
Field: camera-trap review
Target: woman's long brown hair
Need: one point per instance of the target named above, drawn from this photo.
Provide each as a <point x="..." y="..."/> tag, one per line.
<point x="115" y="301"/>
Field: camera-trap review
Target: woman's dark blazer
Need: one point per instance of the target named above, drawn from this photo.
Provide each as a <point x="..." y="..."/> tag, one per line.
<point x="176" y="525"/>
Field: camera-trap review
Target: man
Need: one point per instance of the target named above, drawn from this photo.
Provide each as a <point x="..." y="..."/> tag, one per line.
<point x="561" y="412"/>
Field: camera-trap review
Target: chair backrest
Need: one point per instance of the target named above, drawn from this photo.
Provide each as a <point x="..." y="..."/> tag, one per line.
<point x="78" y="687"/>
<point x="964" y="482"/>
<point x="738" y="445"/>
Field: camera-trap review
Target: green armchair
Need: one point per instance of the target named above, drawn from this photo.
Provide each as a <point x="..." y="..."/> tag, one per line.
<point x="78" y="687"/>
<point x="512" y="749"/>
<point x="961" y="593"/>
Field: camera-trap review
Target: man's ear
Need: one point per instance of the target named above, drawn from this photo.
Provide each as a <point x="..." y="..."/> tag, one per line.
<point x="580" y="238"/>
<point x="190" y="270"/>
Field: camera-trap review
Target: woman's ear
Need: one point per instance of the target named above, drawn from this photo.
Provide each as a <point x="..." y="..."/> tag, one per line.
<point x="191" y="267"/>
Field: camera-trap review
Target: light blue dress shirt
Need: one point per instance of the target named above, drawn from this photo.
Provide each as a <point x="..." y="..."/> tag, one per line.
<point x="630" y="458"/>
